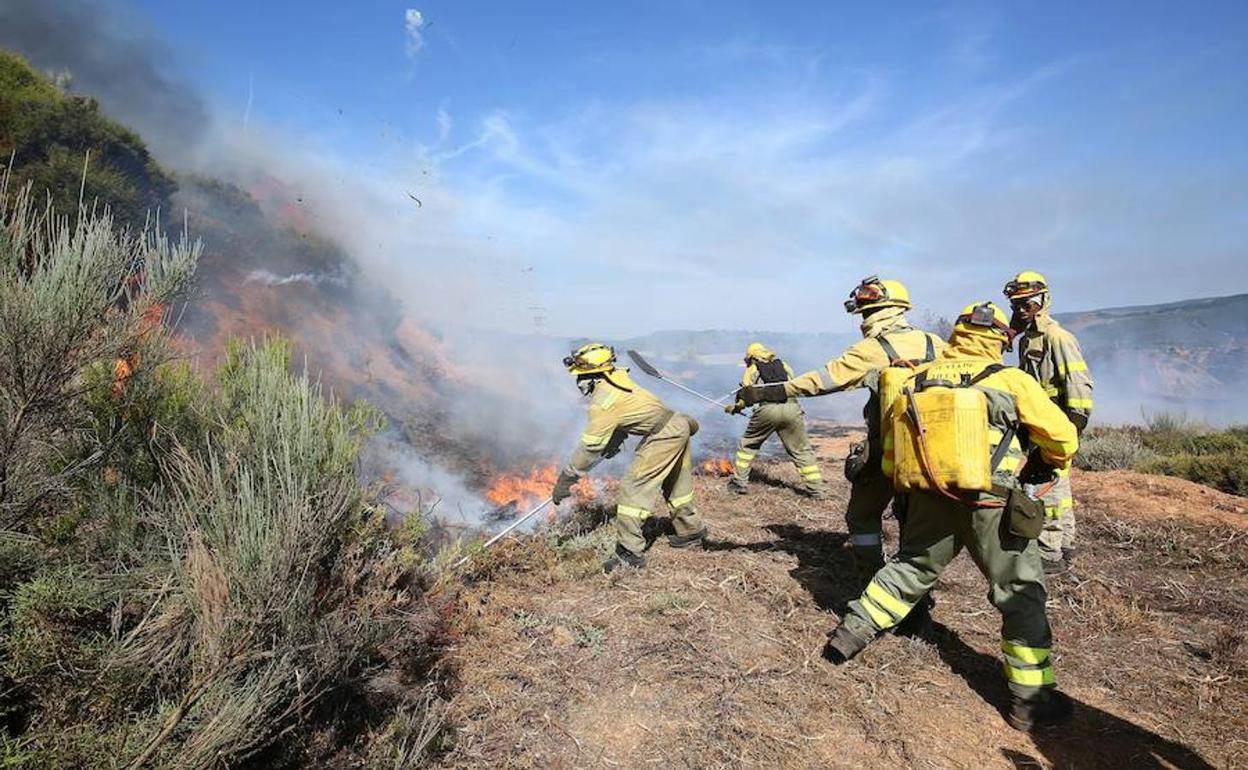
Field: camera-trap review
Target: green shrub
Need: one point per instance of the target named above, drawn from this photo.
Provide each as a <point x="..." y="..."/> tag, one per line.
<point x="1226" y="471"/>
<point x="1172" y="445"/>
<point x="1111" y="450"/>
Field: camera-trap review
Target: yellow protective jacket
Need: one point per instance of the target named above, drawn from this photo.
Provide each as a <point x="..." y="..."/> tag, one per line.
<point x="1051" y="354"/>
<point x="618" y="408"/>
<point x="854" y="368"/>
<point x="1014" y="399"/>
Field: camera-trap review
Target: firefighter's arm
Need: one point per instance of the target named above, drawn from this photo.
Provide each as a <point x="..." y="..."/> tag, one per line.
<point x="594" y="441"/>
<point x="750" y="376"/>
<point x="1075" y="394"/>
<point x="1048" y="427"/>
<point x="842" y="373"/>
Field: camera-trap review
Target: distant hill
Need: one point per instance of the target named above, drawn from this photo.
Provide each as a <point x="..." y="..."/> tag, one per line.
<point x="1189" y="356"/>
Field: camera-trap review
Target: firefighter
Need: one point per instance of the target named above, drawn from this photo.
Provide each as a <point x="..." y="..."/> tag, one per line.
<point x="619" y="408"/>
<point x="1051" y="354"/>
<point x="940" y="521"/>
<point x="888" y="338"/>
<point x="787" y="419"/>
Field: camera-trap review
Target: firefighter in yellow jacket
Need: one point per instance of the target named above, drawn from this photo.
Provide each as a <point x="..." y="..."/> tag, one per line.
<point x="887" y="338"/>
<point x="619" y="408"/>
<point x="997" y="523"/>
<point x="1051" y="355"/>
<point x="787" y="419"/>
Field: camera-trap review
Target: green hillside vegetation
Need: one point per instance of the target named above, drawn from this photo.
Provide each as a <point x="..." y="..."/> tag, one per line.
<point x="190" y="571"/>
<point x="1173" y="446"/>
<point x="47" y="134"/>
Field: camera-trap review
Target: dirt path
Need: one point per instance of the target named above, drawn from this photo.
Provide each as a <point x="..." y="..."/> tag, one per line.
<point x="711" y="658"/>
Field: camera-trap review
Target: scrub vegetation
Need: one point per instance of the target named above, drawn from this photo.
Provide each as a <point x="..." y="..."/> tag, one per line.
<point x="191" y="574"/>
<point x="1172" y="445"/>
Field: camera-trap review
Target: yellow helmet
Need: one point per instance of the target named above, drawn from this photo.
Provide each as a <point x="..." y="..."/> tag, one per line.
<point x="594" y="358"/>
<point x="872" y="293"/>
<point x="758" y="352"/>
<point x="1026" y="284"/>
<point x="985" y="317"/>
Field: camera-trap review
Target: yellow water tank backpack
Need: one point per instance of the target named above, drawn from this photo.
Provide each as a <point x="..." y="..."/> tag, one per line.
<point x="940" y="436"/>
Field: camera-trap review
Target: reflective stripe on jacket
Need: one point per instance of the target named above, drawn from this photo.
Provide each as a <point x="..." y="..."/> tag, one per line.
<point x="1051" y="354"/>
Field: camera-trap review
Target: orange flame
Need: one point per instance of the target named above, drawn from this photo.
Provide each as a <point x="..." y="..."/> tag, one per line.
<point x="527" y="490"/>
<point x="716" y="466"/>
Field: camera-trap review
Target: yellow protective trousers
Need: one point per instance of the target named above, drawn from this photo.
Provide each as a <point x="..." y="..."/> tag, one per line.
<point x="662" y="464"/>
<point x="1059" y="521"/>
<point x="789" y="421"/>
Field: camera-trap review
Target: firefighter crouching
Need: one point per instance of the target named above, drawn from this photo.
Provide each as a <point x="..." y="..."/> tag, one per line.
<point x="888" y="340"/>
<point x="954" y="441"/>
<point x="619" y="408"/>
<point x="1051" y="355"/>
<point x="786" y="419"/>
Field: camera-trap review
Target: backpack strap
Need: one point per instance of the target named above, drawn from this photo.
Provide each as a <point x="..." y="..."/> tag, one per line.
<point x="988" y="371"/>
<point x="930" y="355"/>
<point x="889" y="350"/>
<point x="1003" y="448"/>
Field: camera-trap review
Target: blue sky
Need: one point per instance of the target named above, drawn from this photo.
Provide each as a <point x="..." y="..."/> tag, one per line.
<point x="634" y="166"/>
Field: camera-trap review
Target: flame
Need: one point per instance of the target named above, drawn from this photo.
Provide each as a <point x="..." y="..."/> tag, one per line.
<point x="526" y="490"/>
<point x="716" y="466"/>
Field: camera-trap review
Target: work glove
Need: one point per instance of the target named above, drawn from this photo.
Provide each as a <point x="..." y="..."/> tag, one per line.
<point x="563" y="487"/>
<point x="1037" y="472"/>
<point x="749" y="395"/>
<point x="614" y="444"/>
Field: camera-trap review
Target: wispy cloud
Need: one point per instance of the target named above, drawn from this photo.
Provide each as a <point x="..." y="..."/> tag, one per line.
<point x="413" y="28"/>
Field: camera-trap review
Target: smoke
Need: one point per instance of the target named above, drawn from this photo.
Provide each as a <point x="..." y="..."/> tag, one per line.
<point x="314" y="279"/>
<point x="108" y="57"/>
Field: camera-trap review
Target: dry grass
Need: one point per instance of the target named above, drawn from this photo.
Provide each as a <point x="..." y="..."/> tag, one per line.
<point x="711" y="658"/>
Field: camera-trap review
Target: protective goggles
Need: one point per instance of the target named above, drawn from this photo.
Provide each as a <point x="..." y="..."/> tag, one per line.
<point x="985" y="317"/>
<point x="1021" y="289"/>
<point x="868" y="291"/>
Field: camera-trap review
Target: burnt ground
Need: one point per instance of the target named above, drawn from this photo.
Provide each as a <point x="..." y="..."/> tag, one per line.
<point x="711" y="658"/>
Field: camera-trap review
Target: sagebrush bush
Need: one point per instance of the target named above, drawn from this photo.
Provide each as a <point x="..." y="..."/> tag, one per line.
<point x="191" y="573"/>
<point x="1111" y="450"/>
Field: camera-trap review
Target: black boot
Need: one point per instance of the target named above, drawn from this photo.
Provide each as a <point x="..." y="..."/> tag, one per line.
<point x="1052" y="708"/>
<point x="623" y="558"/>
<point x="686" y="541"/>
<point x="1068" y="556"/>
<point x="1055" y="566"/>
<point x="736" y="485"/>
<point x="918" y="622"/>
<point x="842" y="645"/>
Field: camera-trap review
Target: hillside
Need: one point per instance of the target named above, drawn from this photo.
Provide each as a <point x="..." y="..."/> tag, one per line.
<point x="1185" y="356"/>
<point x="711" y="658"/>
